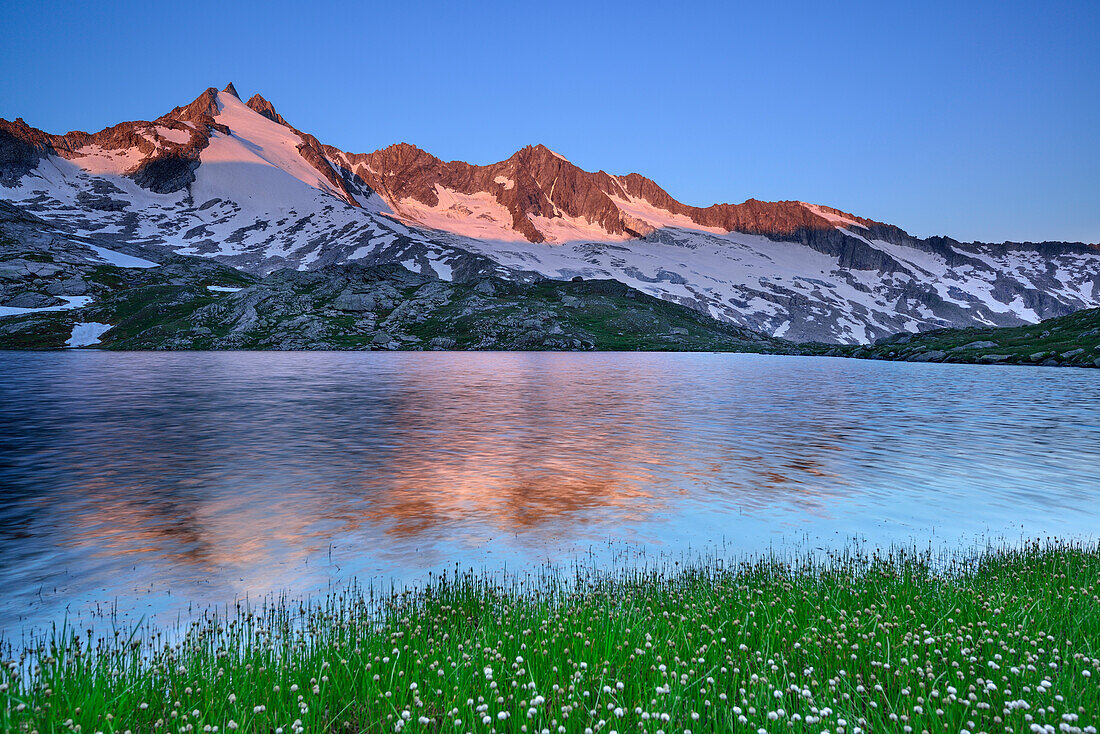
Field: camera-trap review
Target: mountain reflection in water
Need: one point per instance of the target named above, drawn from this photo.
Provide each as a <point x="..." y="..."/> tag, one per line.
<point x="207" y="476"/>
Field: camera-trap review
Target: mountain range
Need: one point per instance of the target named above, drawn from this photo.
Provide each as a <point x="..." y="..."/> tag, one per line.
<point x="234" y="181"/>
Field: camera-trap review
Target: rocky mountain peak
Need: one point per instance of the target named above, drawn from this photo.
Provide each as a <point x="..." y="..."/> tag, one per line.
<point x="540" y="156"/>
<point x="257" y="103"/>
<point x="203" y="109"/>
<point x="542" y="150"/>
<point x="230" y="89"/>
<point x="400" y="155"/>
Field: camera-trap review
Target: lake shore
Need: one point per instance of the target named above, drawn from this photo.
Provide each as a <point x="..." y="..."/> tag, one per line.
<point x="1002" y="641"/>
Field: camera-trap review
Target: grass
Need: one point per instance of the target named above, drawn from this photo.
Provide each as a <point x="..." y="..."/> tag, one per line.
<point x="1072" y="340"/>
<point x="1005" y="641"/>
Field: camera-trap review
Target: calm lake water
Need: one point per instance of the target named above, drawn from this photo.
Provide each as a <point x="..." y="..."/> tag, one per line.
<point x="151" y="481"/>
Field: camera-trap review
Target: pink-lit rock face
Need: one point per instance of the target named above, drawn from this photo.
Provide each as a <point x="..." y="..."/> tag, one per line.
<point x="539" y="196"/>
<point x="536" y="195"/>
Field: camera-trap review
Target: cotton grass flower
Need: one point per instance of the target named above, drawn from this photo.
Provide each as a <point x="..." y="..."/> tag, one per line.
<point x="863" y="645"/>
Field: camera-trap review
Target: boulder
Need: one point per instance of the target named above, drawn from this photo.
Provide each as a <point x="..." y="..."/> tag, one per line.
<point x="43" y="270"/>
<point x="442" y="342"/>
<point x="29" y="299"/>
<point x="353" y="302"/>
<point x="67" y="287"/>
<point x="534" y="336"/>
<point x="976" y="345"/>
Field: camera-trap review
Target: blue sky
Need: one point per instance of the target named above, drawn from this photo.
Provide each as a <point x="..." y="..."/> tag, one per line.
<point x="975" y="119"/>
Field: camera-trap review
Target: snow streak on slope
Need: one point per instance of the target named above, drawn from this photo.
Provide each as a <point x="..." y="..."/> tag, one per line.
<point x="786" y="287"/>
<point x="658" y="218"/>
<point x="121" y="259"/>
<point x="836" y="219"/>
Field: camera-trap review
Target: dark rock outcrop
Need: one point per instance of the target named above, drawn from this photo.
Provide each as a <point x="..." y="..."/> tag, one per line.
<point x="265" y="108"/>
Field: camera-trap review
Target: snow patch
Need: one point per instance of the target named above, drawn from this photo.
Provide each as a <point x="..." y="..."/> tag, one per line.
<point x="71" y="303"/>
<point x="96" y="160"/>
<point x="659" y="218"/>
<point x="172" y="135"/>
<point x="442" y="269"/>
<point x="86" y="334"/>
<point x="564" y="228"/>
<point x="835" y="219"/>
<point x="122" y="260"/>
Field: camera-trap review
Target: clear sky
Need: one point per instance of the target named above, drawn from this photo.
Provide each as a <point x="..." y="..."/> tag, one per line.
<point x="976" y="119"/>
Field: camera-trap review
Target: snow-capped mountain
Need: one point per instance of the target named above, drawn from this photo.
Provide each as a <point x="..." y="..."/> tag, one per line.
<point x="235" y="181"/>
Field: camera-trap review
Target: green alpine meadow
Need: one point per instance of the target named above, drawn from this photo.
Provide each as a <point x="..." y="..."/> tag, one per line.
<point x="1000" y="640"/>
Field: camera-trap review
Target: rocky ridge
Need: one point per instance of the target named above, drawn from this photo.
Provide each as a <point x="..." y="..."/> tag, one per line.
<point x="237" y="182"/>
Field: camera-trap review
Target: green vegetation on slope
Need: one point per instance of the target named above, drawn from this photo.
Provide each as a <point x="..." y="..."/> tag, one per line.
<point x="353" y="306"/>
<point x="1003" y="642"/>
<point x="1070" y="341"/>
<point x="371" y="307"/>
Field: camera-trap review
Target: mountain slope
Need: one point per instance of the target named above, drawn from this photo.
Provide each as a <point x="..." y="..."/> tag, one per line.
<point x="237" y="182"/>
<point x="124" y="301"/>
<point x="1065" y="341"/>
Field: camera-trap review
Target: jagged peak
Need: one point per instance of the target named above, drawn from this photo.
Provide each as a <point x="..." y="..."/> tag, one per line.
<point x="404" y="153"/>
<point x="542" y="151"/>
<point x="205" y="105"/>
<point x="404" y="146"/>
<point x="257" y="103"/>
<point x="230" y="89"/>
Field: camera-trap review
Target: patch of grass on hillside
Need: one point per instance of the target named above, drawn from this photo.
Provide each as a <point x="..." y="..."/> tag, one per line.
<point x="1072" y="340"/>
<point x="46" y="330"/>
<point x="38" y="257"/>
<point x="1001" y="642"/>
<point x="151" y="313"/>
